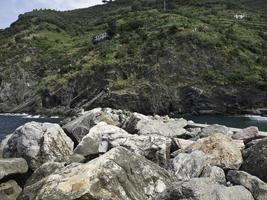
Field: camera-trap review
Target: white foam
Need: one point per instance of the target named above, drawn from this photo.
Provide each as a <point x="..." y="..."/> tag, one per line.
<point x="256" y="117"/>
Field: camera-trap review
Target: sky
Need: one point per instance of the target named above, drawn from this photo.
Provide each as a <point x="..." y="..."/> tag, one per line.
<point x="10" y="9"/>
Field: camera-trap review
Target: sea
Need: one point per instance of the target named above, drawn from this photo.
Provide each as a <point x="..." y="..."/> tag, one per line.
<point x="10" y="122"/>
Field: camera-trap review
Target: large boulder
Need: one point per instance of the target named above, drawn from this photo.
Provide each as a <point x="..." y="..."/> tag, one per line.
<point x="214" y="173"/>
<point x="246" y="134"/>
<point x="213" y="129"/>
<point x="38" y="143"/>
<point x="204" y="189"/>
<point x="116" y="175"/>
<point x="256" y="186"/>
<point x="103" y="137"/>
<point x="255" y="160"/>
<point x="147" y="125"/>
<point x="221" y="150"/>
<point x="12" y="166"/>
<point x="9" y="190"/>
<point x="81" y="126"/>
<point x="189" y="165"/>
<point x="3" y="144"/>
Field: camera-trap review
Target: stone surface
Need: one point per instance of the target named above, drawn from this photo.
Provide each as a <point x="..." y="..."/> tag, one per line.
<point x="255" y="160"/>
<point x="221" y="150"/>
<point x="246" y="134"/>
<point x="145" y="125"/>
<point x="214" y="173"/>
<point x="103" y="137"/>
<point x="12" y="166"/>
<point x="256" y="186"/>
<point x="183" y="144"/>
<point x="43" y="171"/>
<point x="117" y="175"/>
<point x="189" y="165"/>
<point x="3" y="144"/>
<point x="38" y="143"/>
<point x="204" y="189"/>
<point x="9" y="190"/>
<point x="213" y="129"/>
<point x="81" y="126"/>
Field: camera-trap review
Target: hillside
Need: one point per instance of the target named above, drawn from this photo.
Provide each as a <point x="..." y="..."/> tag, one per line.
<point x="194" y="57"/>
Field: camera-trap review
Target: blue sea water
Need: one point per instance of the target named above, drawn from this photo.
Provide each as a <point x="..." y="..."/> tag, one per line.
<point x="9" y="122"/>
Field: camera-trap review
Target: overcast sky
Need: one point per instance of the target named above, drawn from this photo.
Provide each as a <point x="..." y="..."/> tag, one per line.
<point x="10" y="9"/>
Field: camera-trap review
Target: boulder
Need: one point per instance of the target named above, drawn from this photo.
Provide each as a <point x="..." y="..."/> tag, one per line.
<point x="255" y="160"/>
<point x="213" y="129"/>
<point x="43" y="171"/>
<point x="246" y="134"/>
<point x="214" y="173"/>
<point x="118" y="174"/>
<point x="183" y="144"/>
<point x="90" y="144"/>
<point x="221" y="150"/>
<point x="256" y="186"/>
<point x="189" y="165"/>
<point x="203" y="189"/>
<point x="81" y="126"/>
<point x="38" y="143"/>
<point x="9" y="190"/>
<point x="3" y="144"/>
<point x="12" y="166"/>
<point x="103" y="137"/>
<point x="145" y="125"/>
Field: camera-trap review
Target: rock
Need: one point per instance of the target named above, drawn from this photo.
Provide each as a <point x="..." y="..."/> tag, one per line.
<point x="3" y="144"/>
<point x="38" y="143"/>
<point x="90" y="144"/>
<point x="183" y="144"/>
<point x="12" y="166"/>
<point x="251" y="143"/>
<point x="203" y="189"/>
<point x="9" y="190"/>
<point x="256" y="186"/>
<point x="43" y="171"/>
<point x="215" y="173"/>
<point x="76" y="158"/>
<point x="246" y="134"/>
<point x="81" y="126"/>
<point x="103" y="137"/>
<point x="240" y="144"/>
<point x="192" y="132"/>
<point x="213" y="129"/>
<point x="255" y="160"/>
<point x="221" y="150"/>
<point x="145" y="125"/>
<point x="187" y="166"/>
<point x="118" y="174"/>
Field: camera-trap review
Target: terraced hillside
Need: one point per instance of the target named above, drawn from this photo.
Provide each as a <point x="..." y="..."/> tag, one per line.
<point x="203" y="56"/>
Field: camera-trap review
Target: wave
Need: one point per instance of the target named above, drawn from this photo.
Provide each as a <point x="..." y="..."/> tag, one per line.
<point x="256" y="117"/>
<point x="25" y="115"/>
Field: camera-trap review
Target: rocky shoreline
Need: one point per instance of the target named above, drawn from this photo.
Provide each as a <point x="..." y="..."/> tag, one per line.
<point x="116" y="154"/>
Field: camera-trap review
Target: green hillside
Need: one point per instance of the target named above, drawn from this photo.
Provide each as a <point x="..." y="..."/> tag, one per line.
<point x="193" y="56"/>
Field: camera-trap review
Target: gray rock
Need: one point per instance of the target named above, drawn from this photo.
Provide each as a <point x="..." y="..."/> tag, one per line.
<point x="256" y="186"/>
<point x="81" y="126"/>
<point x="76" y="158"/>
<point x="12" y="166"/>
<point x="118" y="174"/>
<point x="255" y="160"/>
<point x="145" y="125"/>
<point x="183" y="144"/>
<point x="103" y="137"/>
<point x="221" y="151"/>
<point x="38" y="143"/>
<point x="9" y="190"/>
<point x="189" y="165"/>
<point x="203" y="189"/>
<point x="3" y="144"/>
<point x="214" y="173"/>
<point x="246" y="134"/>
<point x="213" y="129"/>
<point x="43" y="171"/>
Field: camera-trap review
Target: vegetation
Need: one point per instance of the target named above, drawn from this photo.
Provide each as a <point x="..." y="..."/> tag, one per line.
<point x="190" y="43"/>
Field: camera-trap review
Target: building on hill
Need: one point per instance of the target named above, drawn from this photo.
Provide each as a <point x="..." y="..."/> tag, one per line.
<point x="101" y="37"/>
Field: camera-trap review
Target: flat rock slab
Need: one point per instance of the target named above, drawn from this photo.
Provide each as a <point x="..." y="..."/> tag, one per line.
<point x="12" y="166"/>
<point x="246" y="134"/>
